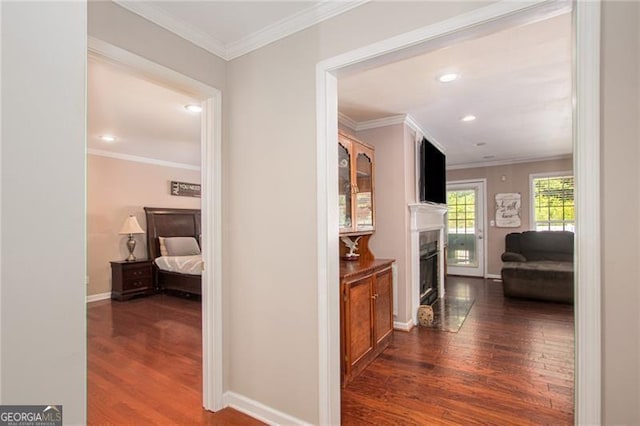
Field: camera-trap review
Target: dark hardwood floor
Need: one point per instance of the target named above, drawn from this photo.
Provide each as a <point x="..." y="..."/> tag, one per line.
<point x="145" y="364"/>
<point x="511" y="363"/>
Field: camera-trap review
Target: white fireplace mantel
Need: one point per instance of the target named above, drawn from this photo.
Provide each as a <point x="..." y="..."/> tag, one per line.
<point x="425" y="217"/>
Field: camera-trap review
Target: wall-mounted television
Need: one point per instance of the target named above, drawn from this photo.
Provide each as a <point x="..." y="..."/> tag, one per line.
<point x="432" y="182"/>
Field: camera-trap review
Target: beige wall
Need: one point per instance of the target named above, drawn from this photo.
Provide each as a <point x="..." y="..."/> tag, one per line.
<point x="42" y="273"/>
<point x="620" y="212"/>
<point x="270" y="281"/>
<point x="517" y="180"/>
<point x="116" y="189"/>
<point x="269" y="199"/>
<point x="394" y="190"/>
<point x="389" y="240"/>
<point x="116" y="25"/>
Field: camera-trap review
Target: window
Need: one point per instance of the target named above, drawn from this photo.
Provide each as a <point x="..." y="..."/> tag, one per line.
<point x="552" y="203"/>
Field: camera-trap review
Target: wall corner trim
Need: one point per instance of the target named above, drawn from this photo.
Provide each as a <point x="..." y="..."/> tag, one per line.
<point x="259" y="411"/>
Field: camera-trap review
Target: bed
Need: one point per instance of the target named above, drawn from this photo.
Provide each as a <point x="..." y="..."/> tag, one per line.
<point x="166" y="223"/>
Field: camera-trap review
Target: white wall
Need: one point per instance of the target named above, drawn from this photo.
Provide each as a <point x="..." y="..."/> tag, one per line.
<point x="43" y="196"/>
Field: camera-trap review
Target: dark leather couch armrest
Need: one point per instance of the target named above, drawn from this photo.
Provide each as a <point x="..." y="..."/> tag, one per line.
<point x="509" y="256"/>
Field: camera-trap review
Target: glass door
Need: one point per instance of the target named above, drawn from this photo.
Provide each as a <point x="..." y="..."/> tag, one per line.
<point x="345" y="187"/>
<point x="465" y="229"/>
<point x="364" y="190"/>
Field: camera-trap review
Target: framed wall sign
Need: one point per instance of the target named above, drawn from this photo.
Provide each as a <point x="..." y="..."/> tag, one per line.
<point x="508" y="210"/>
<point x="184" y="189"/>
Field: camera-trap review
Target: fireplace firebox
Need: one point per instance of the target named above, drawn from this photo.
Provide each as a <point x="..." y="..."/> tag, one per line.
<point x="429" y="253"/>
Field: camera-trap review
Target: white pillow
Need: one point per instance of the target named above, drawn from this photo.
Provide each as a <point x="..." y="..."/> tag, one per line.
<point x="181" y="246"/>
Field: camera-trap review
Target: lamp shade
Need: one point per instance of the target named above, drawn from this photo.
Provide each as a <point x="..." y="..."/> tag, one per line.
<point x="131" y="226"/>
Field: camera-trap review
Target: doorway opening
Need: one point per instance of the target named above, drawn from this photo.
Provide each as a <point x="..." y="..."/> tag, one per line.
<point x="209" y="242"/>
<point x="466" y="245"/>
<point x="585" y="153"/>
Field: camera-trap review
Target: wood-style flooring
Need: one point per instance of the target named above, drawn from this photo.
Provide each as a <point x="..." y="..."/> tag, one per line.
<point x="511" y="363"/>
<point x="145" y="364"/>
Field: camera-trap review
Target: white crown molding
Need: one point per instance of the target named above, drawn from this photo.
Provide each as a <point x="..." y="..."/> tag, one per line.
<point x="297" y="22"/>
<point x="381" y="122"/>
<point x="176" y="26"/>
<point x="392" y="120"/>
<point x="507" y="162"/>
<point x="347" y="121"/>
<point x="137" y="159"/>
<point x="98" y="297"/>
<point x="304" y="19"/>
<point x="259" y="411"/>
<point x="411" y="122"/>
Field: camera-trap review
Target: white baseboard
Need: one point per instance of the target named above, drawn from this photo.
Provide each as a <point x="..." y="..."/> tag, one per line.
<point x="258" y="410"/>
<point x="99" y="296"/>
<point x="493" y="276"/>
<point x="403" y="326"/>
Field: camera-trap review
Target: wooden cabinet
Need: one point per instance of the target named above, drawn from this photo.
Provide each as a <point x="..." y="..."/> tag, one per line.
<point x="366" y="314"/>
<point x="129" y="279"/>
<point x="355" y="185"/>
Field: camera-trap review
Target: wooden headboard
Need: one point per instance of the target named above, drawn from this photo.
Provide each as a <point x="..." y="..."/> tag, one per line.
<point x="164" y="222"/>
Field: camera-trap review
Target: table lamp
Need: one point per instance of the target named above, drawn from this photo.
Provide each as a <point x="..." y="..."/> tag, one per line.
<point x="130" y="227"/>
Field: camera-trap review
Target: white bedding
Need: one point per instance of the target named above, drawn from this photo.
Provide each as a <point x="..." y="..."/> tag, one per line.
<point x="182" y="264"/>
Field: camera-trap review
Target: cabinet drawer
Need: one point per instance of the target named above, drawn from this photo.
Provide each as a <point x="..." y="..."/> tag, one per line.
<point x="132" y="273"/>
<point x="135" y="283"/>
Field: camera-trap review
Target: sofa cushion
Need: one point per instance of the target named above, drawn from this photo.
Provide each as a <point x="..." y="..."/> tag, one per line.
<point x="509" y="256"/>
<point x="547" y="245"/>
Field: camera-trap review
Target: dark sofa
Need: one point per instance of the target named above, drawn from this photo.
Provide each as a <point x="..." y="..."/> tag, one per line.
<point x="539" y="265"/>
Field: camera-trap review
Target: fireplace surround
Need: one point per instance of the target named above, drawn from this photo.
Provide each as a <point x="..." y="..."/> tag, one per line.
<point x="427" y="223"/>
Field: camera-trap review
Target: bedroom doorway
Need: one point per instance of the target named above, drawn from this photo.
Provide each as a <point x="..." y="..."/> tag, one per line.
<point x="209" y="100"/>
<point x="586" y="153"/>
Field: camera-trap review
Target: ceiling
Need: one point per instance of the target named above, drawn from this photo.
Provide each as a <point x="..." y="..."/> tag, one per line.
<point x="147" y="119"/>
<point x="233" y="28"/>
<point x="517" y="82"/>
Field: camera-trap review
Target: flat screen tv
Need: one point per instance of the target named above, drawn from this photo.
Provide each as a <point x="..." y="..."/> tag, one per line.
<point x="432" y="185"/>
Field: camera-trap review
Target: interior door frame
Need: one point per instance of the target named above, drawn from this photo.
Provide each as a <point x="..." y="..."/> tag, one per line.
<point x="482" y="206"/>
<point x="211" y="203"/>
<point x="586" y="148"/>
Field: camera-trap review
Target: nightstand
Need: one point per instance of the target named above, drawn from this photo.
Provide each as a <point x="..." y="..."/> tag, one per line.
<point x="129" y="279"/>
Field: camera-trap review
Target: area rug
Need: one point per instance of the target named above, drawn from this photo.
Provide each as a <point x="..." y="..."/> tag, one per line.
<point x="449" y="313"/>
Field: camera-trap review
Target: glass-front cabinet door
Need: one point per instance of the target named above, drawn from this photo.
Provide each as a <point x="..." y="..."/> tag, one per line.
<point x="364" y="189"/>
<point x="355" y="185"/>
<point x="345" y="187"/>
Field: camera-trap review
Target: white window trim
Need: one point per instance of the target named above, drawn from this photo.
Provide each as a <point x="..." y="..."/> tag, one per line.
<point x="532" y="195"/>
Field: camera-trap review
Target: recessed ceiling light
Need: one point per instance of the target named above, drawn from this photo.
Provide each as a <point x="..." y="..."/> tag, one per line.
<point x="448" y="77"/>
<point x="468" y="118"/>
<point x="193" y="108"/>
<point x="108" y="138"/>
<point x="480" y="144"/>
